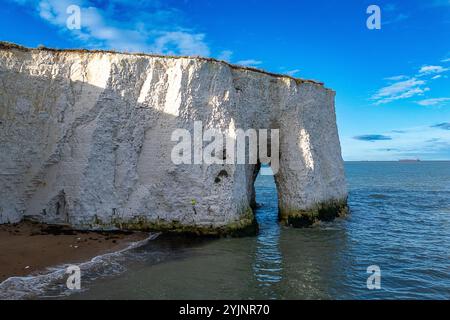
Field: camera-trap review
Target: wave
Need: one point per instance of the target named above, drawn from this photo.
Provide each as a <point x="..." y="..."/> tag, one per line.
<point x="52" y="284"/>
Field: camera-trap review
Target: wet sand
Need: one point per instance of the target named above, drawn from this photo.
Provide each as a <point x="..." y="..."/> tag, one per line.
<point x="27" y="248"/>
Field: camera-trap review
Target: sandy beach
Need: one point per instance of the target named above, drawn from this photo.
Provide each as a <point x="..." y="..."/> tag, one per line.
<point x="28" y="248"/>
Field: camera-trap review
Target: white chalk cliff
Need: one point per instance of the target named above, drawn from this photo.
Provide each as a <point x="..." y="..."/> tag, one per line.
<point x="85" y="140"/>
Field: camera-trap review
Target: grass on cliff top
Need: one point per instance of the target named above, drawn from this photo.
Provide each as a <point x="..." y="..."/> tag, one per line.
<point x="9" y="46"/>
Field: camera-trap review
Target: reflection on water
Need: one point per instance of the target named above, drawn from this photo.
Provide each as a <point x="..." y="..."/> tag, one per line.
<point x="400" y="221"/>
<point x="268" y="265"/>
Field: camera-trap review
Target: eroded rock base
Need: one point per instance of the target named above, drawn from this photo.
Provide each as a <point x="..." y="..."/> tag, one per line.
<point x="326" y="211"/>
<point x="245" y="226"/>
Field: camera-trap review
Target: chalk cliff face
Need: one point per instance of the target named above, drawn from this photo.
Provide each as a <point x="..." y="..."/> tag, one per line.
<point x="85" y="139"/>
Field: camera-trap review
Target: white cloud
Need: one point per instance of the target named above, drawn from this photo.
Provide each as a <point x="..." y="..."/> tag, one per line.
<point x="424" y="142"/>
<point x="249" y="63"/>
<point x="225" y="55"/>
<point x="404" y="87"/>
<point x="426" y="70"/>
<point x="433" y="101"/>
<point x="398" y="18"/>
<point x="181" y="43"/>
<point x="292" y="72"/>
<point x="144" y="28"/>
<point x="397" y="78"/>
<point x="400" y="90"/>
<point x="390" y="7"/>
<point x="446" y="60"/>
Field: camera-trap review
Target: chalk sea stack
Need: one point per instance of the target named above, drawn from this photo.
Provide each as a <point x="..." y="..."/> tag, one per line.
<point x="85" y="140"/>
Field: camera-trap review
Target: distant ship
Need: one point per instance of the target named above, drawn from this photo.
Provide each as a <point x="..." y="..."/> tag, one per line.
<point x="409" y="160"/>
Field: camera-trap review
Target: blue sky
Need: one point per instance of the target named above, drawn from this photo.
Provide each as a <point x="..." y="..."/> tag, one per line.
<point x="393" y="84"/>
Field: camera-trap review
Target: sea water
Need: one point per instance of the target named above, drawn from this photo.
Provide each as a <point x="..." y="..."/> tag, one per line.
<point x="399" y="221"/>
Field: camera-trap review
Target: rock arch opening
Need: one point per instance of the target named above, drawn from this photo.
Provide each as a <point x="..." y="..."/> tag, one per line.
<point x="266" y="197"/>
